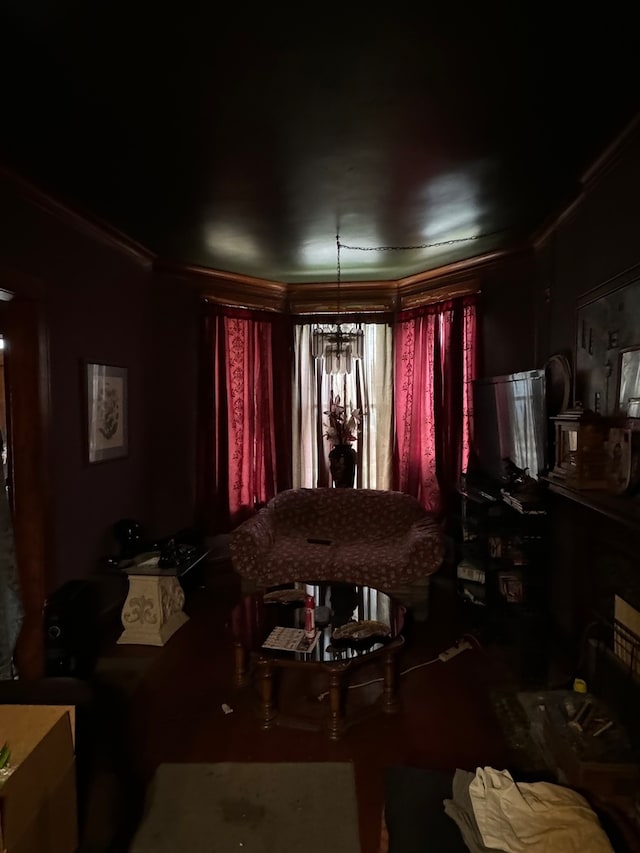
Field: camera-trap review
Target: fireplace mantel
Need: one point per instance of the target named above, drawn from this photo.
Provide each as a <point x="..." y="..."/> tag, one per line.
<point x="624" y="509"/>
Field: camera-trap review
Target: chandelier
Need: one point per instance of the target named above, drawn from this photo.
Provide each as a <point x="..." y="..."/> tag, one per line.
<point x="338" y="343"/>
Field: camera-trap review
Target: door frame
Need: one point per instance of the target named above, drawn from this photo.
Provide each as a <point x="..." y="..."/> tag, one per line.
<point x="27" y="390"/>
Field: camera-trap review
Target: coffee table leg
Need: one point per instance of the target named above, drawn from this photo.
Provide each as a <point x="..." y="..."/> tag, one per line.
<point x="335" y="701"/>
<point x="240" y="678"/>
<point x="269" y="711"/>
<point x="389" y="699"/>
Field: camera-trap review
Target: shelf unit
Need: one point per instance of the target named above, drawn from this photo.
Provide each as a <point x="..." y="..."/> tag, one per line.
<point x="502" y="575"/>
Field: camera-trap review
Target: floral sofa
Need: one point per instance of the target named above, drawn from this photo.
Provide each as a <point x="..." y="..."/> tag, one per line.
<point x="380" y="538"/>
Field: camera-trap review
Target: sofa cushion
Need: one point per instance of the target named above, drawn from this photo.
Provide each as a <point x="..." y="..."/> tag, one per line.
<point x="348" y="515"/>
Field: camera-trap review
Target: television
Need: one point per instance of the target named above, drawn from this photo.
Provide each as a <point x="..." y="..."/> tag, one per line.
<point x="509" y="423"/>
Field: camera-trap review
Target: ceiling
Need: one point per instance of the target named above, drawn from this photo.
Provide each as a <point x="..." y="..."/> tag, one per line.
<point x="246" y="142"/>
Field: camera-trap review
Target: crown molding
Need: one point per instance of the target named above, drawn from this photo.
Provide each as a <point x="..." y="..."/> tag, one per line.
<point x="76" y="219"/>
<point x="441" y="293"/>
<point x="227" y="288"/>
<point x="588" y="181"/>
<point x="611" y="153"/>
<point x="350" y="297"/>
<point x="422" y="280"/>
<point x="456" y="279"/>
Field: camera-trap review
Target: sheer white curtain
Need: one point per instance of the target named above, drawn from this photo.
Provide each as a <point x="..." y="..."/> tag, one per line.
<point x="306" y="411"/>
<point x="377" y="434"/>
<point x="368" y="388"/>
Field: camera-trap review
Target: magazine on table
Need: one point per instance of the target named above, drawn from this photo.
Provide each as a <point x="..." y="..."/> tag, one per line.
<point x="290" y="640"/>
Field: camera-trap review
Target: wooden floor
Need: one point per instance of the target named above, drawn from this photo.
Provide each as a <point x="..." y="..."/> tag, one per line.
<point x="445" y="720"/>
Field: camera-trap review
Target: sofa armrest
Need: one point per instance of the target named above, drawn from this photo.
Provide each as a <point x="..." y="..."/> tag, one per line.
<point x="425" y="547"/>
<point x="250" y="542"/>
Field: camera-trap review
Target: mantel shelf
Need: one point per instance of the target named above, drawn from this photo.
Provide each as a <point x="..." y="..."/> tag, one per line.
<point x="624" y="509"/>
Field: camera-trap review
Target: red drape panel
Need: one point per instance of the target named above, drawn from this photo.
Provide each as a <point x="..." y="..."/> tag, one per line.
<point x="244" y="422"/>
<point x="415" y="441"/>
<point x="469" y="373"/>
<point x="435" y="361"/>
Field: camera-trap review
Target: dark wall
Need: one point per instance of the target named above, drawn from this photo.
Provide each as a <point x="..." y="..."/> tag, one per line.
<point x="103" y="303"/>
<point x="507" y="335"/>
<point x="173" y="384"/>
<point x="596" y="241"/>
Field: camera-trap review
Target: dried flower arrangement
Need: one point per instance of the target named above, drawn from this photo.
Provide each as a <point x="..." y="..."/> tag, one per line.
<point x="341" y="427"/>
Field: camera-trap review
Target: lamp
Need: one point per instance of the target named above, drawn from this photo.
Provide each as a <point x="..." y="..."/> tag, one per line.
<point x="339" y="344"/>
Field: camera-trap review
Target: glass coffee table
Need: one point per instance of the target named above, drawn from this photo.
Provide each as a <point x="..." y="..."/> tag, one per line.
<point x="341" y="609"/>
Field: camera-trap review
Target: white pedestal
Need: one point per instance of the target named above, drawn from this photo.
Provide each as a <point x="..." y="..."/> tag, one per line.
<point x="152" y="612"/>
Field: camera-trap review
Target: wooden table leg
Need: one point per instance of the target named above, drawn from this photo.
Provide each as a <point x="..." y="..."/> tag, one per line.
<point x="389" y="698"/>
<point x="269" y="711"/>
<point x="240" y="677"/>
<point x="335" y="701"/>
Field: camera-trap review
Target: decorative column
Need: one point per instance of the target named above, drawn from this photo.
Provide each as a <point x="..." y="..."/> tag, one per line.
<point x="152" y="612"/>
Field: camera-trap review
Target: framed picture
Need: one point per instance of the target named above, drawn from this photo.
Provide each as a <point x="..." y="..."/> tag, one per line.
<point x="107" y="431"/>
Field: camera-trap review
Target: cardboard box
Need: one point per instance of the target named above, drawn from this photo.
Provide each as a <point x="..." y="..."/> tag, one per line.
<point x="38" y="802"/>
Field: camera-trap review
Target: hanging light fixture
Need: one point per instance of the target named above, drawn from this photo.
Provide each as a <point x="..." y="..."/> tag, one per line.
<point x="338" y="343"/>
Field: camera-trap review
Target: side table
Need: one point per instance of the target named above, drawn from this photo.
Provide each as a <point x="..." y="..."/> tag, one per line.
<point x="153" y="609"/>
<point x="337" y="604"/>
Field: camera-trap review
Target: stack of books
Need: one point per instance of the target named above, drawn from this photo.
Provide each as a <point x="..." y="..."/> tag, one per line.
<point x="524" y="503"/>
<point x="290" y="640"/>
<point x="471" y="581"/>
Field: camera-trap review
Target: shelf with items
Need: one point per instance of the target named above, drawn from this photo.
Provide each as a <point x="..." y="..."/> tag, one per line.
<point x="501" y="572"/>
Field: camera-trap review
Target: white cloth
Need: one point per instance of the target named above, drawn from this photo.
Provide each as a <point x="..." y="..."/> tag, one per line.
<point x="533" y="817"/>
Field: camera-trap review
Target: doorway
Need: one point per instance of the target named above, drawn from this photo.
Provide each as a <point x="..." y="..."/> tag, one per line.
<point x="24" y="405"/>
<point x="3" y="416"/>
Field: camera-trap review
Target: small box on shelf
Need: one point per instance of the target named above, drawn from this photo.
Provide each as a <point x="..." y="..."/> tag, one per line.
<point x="581" y="459"/>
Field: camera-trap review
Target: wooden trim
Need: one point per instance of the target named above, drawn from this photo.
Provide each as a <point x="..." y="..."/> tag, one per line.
<point x="352" y="296"/>
<point x="228" y="288"/>
<point x="439" y="294"/>
<point x="616" y="282"/>
<point x="611" y="153"/>
<point x="616" y="507"/>
<point x="588" y="181"/>
<point x="27" y="379"/>
<point x="413" y="283"/>
<point x="323" y="297"/>
<point x="77" y="219"/>
<point x="546" y="230"/>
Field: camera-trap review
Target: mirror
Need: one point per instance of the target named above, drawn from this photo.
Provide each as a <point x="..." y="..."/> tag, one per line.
<point x="608" y="327"/>
<point x="629" y="395"/>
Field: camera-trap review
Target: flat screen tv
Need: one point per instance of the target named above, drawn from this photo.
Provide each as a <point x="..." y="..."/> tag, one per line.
<point x="510" y="422"/>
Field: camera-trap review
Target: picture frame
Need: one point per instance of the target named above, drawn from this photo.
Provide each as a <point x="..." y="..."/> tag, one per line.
<point x="107" y="411"/>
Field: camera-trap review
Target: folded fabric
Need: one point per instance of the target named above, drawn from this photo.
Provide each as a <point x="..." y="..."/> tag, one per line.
<point x="533" y="817"/>
<point x="460" y="810"/>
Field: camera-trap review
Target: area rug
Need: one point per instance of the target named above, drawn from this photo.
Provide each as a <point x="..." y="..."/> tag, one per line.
<point x="250" y="808"/>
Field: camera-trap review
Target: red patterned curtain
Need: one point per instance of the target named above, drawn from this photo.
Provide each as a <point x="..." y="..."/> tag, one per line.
<point x="435" y="361"/>
<point x="244" y="420"/>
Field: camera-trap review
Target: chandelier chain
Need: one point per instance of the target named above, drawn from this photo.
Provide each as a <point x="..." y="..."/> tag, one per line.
<point x="338" y="271"/>
<point x="420" y="246"/>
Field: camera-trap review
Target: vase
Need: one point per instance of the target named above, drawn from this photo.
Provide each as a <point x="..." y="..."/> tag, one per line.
<point x="342" y="462"/>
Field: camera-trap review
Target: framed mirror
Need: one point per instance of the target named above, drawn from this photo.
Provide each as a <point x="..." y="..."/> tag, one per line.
<point x="629" y="385"/>
<point x="608" y="339"/>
